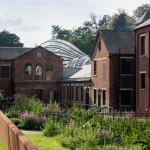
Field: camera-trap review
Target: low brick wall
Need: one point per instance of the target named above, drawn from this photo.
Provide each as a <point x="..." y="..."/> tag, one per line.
<point x="12" y="137"/>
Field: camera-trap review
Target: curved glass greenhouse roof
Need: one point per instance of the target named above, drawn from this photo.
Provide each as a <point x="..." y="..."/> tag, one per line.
<point x="73" y="57"/>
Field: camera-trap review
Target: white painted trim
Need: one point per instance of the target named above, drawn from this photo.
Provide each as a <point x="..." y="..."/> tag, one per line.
<point x="5" y="65"/>
<point x="143" y="34"/>
<point x="77" y="84"/>
<point x="103" y="88"/>
<point x="126" y="89"/>
<point x="142" y="72"/>
<point x="104" y="62"/>
<point x="126" y="74"/>
<point x="126" y="57"/>
<point x="100" y="58"/>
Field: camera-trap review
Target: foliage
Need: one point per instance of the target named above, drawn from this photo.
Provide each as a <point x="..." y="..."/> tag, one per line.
<point x="22" y="103"/>
<point x="121" y="21"/>
<point x="32" y="121"/>
<point x="8" y="39"/>
<point x="88" y="129"/>
<point x="51" y="128"/>
<point x="2" y="146"/>
<point x="18" y="122"/>
<point x="139" y="11"/>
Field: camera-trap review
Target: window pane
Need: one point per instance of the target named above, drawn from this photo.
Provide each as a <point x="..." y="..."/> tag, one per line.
<point x="4" y="71"/>
<point x="126" y="97"/>
<point x="94" y="96"/>
<point x="81" y="93"/>
<point x="104" y="97"/>
<point x="125" y="67"/>
<point x="95" y="69"/>
<point x="142" y="45"/>
<point x="142" y="80"/>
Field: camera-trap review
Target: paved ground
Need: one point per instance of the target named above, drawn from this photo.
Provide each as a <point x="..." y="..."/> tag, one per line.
<point x="31" y="132"/>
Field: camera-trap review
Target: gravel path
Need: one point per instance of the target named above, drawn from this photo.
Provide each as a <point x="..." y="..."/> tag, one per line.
<point x="31" y="132"/>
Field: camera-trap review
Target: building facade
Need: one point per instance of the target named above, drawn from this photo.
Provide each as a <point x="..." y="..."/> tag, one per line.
<point x="31" y="72"/>
<point x="113" y="70"/>
<point x="143" y="63"/>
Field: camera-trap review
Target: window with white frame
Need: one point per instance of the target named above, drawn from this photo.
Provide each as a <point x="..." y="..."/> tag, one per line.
<point x="142" y="44"/>
<point x="142" y="80"/>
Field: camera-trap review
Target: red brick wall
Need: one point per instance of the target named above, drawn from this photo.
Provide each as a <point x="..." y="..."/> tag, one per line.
<point x="101" y="79"/>
<point x="28" y="86"/>
<point x="143" y="64"/>
<point x="79" y="102"/>
<point x="108" y="76"/>
<point x="5" y="84"/>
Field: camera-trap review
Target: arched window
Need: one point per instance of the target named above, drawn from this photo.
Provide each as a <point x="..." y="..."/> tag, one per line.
<point x="28" y="69"/>
<point x="38" y="69"/>
<point x="38" y="72"/>
<point x="49" y="71"/>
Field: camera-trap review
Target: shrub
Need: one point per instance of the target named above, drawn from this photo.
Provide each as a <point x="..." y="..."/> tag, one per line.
<point x="51" y="128"/>
<point x="22" y="103"/>
<point x="18" y="122"/>
<point x="31" y="121"/>
<point x="12" y="113"/>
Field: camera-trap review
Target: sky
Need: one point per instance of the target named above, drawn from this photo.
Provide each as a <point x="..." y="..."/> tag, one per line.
<point x="31" y="20"/>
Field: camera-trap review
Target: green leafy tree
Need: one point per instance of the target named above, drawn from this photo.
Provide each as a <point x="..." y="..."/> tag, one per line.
<point x="139" y="11"/>
<point x="8" y="39"/>
<point x="121" y="21"/>
<point x="59" y="33"/>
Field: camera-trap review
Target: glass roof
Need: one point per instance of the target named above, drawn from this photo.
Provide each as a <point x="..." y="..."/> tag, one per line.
<point x="73" y="57"/>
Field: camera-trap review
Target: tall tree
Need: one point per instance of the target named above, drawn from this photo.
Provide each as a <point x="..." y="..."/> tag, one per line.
<point x="59" y="33"/>
<point x="121" y="21"/>
<point x="139" y="11"/>
<point x="8" y="39"/>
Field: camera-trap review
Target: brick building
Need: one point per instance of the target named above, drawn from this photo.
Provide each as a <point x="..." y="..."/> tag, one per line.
<point x="113" y="73"/>
<point x="30" y="71"/>
<point x="143" y="63"/>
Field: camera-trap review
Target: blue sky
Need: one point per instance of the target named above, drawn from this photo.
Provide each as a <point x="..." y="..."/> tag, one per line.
<point x="31" y="20"/>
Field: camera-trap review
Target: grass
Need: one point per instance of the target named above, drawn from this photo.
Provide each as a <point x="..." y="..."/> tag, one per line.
<point x="2" y="146"/>
<point x="44" y="143"/>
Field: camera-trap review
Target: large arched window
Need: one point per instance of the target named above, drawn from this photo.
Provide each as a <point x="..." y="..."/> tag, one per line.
<point x="49" y="71"/>
<point x="38" y="72"/>
<point x="28" y="71"/>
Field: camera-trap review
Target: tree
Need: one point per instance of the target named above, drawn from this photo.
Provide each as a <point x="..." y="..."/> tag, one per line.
<point x="59" y="33"/>
<point x="121" y="21"/>
<point x="139" y="11"/>
<point x="8" y="39"/>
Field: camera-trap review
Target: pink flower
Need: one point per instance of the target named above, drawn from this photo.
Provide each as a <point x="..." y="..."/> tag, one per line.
<point x="70" y="123"/>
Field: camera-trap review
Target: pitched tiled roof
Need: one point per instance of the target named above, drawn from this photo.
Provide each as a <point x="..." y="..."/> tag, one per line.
<point x="145" y="17"/>
<point x="146" y="23"/>
<point x="115" y="40"/>
<point x="9" y="53"/>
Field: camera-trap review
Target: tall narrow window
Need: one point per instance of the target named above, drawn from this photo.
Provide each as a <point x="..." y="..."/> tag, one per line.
<point x="142" y="44"/>
<point x="104" y="97"/>
<point x="99" y="46"/>
<point x="28" y="71"/>
<point x="99" y="97"/>
<point x="76" y="93"/>
<point x="5" y="72"/>
<point x="95" y="67"/>
<point x="60" y="94"/>
<point x="68" y="92"/>
<point x="125" y="66"/>
<point x="49" y="71"/>
<point x="82" y="93"/>
<point x="38" y="72"/>
<point x="142" y="80"/>
<point x="94" y="96"/>
<point x="72" y="93"/>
